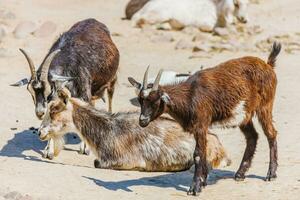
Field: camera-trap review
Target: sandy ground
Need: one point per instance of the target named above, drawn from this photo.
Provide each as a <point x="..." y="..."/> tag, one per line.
<point x="72" y="176"/>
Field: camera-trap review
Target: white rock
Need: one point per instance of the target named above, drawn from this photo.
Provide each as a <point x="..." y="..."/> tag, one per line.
<point x="46" y="29"/>
<point x="221" y="31"/>
<point x="24" y="29"/>
<point x="184" y="44"/>
<point x="163" y="26"/>
<point x="202" y="47"/>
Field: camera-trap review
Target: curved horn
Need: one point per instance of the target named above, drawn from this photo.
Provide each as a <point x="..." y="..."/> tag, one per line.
<point x="145" y="82"/>
<point x="157" y="79"/>
<point x="30" y="62"/>
<point x="46" y="65"/>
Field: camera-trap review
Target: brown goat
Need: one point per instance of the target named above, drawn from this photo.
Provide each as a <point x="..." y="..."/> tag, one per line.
<point x="119" y="142"/>
<point x="228" y="95"/>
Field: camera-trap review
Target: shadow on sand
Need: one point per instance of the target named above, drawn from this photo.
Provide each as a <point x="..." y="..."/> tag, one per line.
<point x="23" y="141"/>
<point x="134" y="101"/>
<point x="29" y="140"/>
<point x="179" y="181"/>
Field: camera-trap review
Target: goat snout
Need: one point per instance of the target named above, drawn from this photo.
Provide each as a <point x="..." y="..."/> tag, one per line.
<point x="40" y="112"/>
<point x="40" y="115"/>
<point x="144" y="121"/>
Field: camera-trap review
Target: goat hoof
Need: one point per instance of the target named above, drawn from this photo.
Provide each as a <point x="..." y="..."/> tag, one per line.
<point x="48" y="155"/>
<point x="239" y="177"/>
<point x="81" y="151"/>
<point x="84" y="151"/>
<point x="196" y="188"/>
<point x="271" y="176"/>
<point x="97" y="163"/>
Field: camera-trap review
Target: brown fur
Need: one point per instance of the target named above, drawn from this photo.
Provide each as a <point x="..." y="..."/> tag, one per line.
<point x="210" y="97"/>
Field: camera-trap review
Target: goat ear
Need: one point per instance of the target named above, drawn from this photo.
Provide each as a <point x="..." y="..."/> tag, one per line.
<point x="165" y="97"/>
<point x="134" y="83"/>
<point x="20" y="83"/>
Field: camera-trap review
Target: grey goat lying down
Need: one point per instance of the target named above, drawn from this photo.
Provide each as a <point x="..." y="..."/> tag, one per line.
<point x="119" y="142"/>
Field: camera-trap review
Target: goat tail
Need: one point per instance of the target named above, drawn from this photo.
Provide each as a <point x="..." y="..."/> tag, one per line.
<point x="274" y="53"/>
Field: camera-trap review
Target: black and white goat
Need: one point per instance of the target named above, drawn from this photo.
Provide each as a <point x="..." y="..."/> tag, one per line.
<point x="87" y="57"/>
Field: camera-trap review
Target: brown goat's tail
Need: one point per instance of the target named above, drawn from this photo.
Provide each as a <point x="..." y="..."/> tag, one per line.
<point x="274" y="53"/>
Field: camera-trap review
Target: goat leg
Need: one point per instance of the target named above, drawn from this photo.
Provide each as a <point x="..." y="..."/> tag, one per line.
<point x="49" y="150"/>
<point x="201" y="170"/>
<point x="251" y="140"/>
<point x="84" y="149"/>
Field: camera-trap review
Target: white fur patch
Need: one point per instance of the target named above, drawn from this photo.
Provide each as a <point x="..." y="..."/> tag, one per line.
<point x="146" y="92"/>
<point x="238" y="113"/>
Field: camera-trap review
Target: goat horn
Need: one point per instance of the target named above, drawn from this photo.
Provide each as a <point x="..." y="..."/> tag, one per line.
<point x="157" y="79"/>
<point x="30" y="62"/>
<point x="46" y="65"/>
<point x="145" y="82"/>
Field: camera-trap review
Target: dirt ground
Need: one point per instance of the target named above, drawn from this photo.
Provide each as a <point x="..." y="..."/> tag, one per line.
<point x="24" y="174"/>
